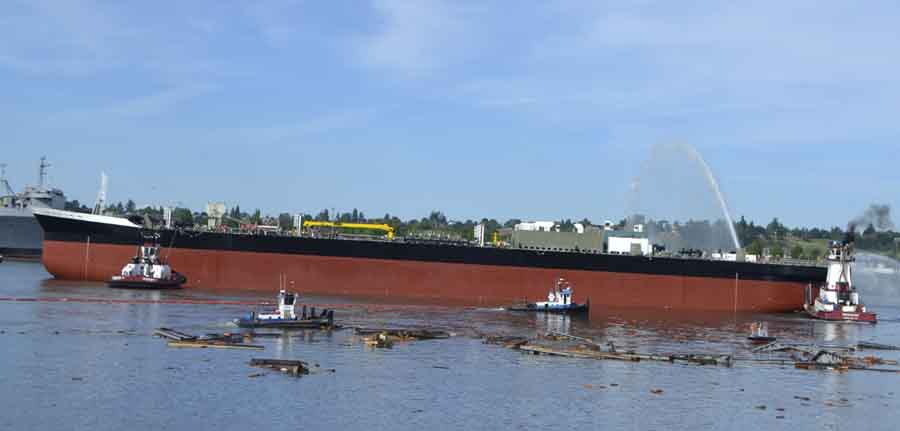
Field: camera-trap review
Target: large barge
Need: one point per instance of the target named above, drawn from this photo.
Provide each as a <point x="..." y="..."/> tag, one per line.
<point x="91" y="247"/>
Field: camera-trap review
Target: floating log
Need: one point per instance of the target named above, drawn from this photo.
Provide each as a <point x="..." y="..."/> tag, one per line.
<point x="292" y="367"/>
<point x="215" y="344"/>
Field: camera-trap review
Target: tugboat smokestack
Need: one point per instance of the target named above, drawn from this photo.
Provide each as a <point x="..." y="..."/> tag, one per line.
<point x="850" y="235"/>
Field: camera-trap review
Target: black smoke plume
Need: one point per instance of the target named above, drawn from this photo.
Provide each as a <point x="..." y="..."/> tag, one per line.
<point x="877" y="215"/>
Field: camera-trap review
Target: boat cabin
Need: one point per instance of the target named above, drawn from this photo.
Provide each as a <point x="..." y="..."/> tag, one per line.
<point x="839" y="289"/>
<point x="285" y="310"/>
<point x="147" y="263"/>
<point x="560" y="296"/>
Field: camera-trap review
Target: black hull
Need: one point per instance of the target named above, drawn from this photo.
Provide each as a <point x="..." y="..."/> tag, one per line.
<point x="175" y="283"/>
<point x="532" y="308"/>
<point x="286" y="324"/>
<point x="761" y="340"/>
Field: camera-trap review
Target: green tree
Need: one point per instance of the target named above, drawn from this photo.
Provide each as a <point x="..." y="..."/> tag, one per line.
<point x="775" y="229"/>
<point x="512" y="222"/>
<point x="285" y="221"/>
<point x="797" y="251"/>
<point x="755" y="247"/>
<point x="257" y="217"/>
<point x="813" y="253"/>
<point x="201" y="218"/>
<point x="777" y="250"/>
<point x="130" y="207"/>
<point x="182" y="217"/>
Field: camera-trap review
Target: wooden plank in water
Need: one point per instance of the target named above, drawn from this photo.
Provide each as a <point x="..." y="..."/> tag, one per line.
<point x="201" y="344"/>
<point x="628" y="356"/>
<point x="173" y="334"/>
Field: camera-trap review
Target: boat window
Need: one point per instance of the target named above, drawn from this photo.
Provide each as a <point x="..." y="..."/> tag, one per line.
<point x="289" y="300"/>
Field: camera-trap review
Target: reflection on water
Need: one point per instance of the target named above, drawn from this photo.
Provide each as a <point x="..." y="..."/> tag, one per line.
<point x="94" y="365"/>
<point x="554" y="323"/>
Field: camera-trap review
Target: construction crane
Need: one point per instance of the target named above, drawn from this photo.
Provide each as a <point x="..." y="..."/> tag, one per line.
<point x="339" y="225"/>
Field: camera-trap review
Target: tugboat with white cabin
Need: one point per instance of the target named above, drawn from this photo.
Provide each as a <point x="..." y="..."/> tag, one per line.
<point x="286" y="316"/>
<point x="148" y="270"/>
<point x="838" y="299"/>
<point x="559" y="300"/>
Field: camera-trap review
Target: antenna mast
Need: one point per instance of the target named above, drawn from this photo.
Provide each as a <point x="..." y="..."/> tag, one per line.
<point x="6" y="185"/>
<point x="42" y="173"/>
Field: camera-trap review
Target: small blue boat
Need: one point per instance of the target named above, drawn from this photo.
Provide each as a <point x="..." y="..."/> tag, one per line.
<point x="559" y="300"/>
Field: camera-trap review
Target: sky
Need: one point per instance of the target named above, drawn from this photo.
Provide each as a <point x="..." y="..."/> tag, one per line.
<point x="533" y="110"/>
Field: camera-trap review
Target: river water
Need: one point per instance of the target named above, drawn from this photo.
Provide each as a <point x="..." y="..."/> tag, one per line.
<point x="88" y="363"/>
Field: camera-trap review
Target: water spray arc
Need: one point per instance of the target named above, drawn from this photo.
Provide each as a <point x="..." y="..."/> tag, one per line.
<point x="711" y="179"/>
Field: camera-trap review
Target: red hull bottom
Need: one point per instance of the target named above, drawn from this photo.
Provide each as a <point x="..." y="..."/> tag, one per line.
<point x="840" y="316"/>
<point x="442" y="283"/>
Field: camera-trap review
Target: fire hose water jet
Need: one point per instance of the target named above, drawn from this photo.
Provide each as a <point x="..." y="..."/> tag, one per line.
<point x="714" y="185"/>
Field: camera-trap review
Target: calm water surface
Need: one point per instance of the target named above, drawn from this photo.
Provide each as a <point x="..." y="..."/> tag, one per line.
<point x="90" y="365"/>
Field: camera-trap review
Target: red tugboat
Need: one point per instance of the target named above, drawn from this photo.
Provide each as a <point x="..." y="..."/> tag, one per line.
<point x="838" y="299"/>
<point x="147" y="271"/>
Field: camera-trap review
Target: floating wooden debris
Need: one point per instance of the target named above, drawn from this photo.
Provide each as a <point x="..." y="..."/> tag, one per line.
<point x="214" y="344"/>
<point x="725" y="360"/>
<point x="559" y="336"/>
<point x="406" y="334"/>
<point x="830" y="360"/>
<point x="292" y="367"/>
<point x="875" y="346"/>
<point x="216" y="341"/>
<point x="173" y="334"/>
<point x="510" y="342"/>
<point x="380" y="340"/>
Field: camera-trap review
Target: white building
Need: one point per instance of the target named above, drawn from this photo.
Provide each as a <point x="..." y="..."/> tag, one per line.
<point x="621" y="242"/>
<point x="538" y="226"/>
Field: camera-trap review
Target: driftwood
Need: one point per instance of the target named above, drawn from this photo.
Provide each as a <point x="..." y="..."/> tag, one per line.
<point x="805" y="357"/>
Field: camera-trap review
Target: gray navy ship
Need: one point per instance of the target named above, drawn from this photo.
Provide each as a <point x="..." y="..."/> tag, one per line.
<point x="20" y="233"/>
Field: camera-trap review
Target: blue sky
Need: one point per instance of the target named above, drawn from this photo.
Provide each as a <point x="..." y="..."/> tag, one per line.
<point x="536" y="110"/>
